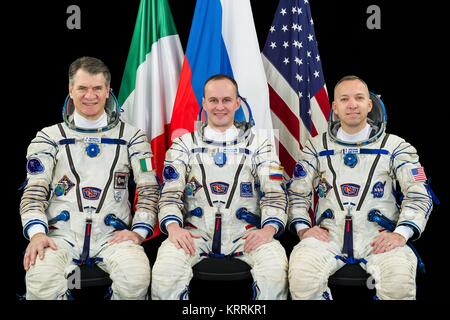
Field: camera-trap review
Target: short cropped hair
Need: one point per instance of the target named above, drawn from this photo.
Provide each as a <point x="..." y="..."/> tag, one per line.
<point x="350" y="78"/>
<point x="221" y="76"/>
<point x="92" y="66"/>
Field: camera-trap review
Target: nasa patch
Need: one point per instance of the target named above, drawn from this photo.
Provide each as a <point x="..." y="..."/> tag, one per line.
<point x="378" y="189"/>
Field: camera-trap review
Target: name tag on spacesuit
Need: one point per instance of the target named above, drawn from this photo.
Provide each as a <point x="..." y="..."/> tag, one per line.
<point x="227" y="150"/>
<point x="350" y="151"/>
<point x="97" y="140"/>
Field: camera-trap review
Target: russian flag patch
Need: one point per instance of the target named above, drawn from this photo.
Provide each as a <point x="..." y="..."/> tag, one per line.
<point x="276" y="173"/>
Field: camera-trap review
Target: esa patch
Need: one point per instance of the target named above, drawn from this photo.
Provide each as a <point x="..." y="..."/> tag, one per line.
<point x="170" y="173"/>
<point x="91" y="193"/>
<point x="63" y="187"/>
<point x="299" y="171"/>
<point x="192" y="187"/>
<point x="35" y="166"/>
<point x="246" y="190"/>
<point x="120" y="180"/>
<point x="350" y="189"/>
<point x="378" y="189"/>
<point x="219" y="187"/>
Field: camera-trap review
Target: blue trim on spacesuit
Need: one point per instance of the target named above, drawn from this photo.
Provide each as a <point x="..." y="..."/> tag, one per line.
<point x="32" y="223"/>
<point x="296" y="221"/>
<point x="102" y="141"/>
<point x="278" y="222"/>
<point x="360" y="151"/>
<point x="162" y="223"/>
<point x="145" y="226"/>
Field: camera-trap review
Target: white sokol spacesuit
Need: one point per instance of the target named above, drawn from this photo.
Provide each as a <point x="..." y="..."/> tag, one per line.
<point x="356" y="184"/>
<point x="77" y="191"/>
<point x="221" y="190"/>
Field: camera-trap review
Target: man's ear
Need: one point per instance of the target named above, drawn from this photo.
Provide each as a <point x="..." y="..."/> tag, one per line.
<point x="333" y="106"/>
<point x="238" y="103"/>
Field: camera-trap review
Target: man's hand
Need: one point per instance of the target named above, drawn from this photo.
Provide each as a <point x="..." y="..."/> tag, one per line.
<point x="255" y="238"/>
<point x="37" y="245"/>
<point x="386" y="241"/>
<point x="182" y="238"/>
<point x="315" y="232"/>
<point x="124" y="235"/>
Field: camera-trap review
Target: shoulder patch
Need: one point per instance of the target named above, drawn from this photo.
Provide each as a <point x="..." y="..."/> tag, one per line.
<point x="299" y="171"/>
<point x="170" y="173"/>
<point x="146" y="164"/>
<point x="35" y="166"/>
<point x="418" y="174"/>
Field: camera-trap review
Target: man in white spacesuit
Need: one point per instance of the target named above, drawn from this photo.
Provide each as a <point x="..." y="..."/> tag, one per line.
<point x="75" y="208"/>
<point x="355" y="168"/>
<point x="222" y="197"/>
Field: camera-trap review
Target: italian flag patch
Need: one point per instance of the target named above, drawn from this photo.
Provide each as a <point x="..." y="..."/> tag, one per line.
<point x="146" y="165"/>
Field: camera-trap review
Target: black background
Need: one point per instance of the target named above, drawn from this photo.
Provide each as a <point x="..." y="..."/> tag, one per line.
<point x="404" y="61"/>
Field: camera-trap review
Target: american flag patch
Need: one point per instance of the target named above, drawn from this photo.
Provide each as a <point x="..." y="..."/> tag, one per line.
<point x="418" y="174"/>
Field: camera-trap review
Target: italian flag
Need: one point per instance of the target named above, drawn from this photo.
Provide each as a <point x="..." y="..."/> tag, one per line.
<point x="151" y="75"/>
<point x="150" y="79"/>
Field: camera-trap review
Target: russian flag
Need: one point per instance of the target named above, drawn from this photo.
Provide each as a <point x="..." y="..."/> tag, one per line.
<point x="222" y="40"/>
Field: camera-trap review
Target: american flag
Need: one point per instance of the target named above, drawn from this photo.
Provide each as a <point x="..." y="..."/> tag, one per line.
<point x="298" y="96"/>
<point x="419" y="174"/>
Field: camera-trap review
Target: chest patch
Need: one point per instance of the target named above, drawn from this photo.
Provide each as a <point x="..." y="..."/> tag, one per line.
<point x="350" y="189"/>
<point x="91" y="193"/>
<point x="219" y="187"/>
<point x="246" y="190"/>
<point x="378" y="189"/>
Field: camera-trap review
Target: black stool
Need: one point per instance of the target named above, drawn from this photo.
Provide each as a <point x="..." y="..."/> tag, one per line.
<point x="94" y="284"/>
<point x="226" y="274"/>
<point x="93" y="276"/>
<point x="221" y="270"/>
<point x="349" y="275"/>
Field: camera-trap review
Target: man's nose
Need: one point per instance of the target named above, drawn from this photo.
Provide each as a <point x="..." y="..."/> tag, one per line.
<point x="352" y="103"/>
<point x="220" y="106"/>
<point x="90" y="93"/>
